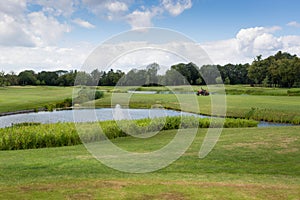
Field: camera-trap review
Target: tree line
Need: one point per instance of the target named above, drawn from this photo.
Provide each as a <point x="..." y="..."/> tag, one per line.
<point x="280" y="70"/>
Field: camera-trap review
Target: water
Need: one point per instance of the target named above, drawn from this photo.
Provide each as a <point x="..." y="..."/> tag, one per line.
<point x="88" y="115"/>
<point x="102" y="114"/>
<point x="268" y="124"/>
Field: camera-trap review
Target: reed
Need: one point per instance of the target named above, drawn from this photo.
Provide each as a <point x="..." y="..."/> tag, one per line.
<point x="33" y="136"/>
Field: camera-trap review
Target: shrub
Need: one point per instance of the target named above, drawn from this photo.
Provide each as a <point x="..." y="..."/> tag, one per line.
<point x="86" y="94"/>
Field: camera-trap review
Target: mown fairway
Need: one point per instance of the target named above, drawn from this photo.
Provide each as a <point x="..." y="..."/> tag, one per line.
<point x="280" y="107"/>
<point x="31" y="97"/>
<point x="269" y="108"/>
<point x="245" y="164"/>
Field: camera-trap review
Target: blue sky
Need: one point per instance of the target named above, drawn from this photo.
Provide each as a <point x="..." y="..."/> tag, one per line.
<point x="50" y="34"/>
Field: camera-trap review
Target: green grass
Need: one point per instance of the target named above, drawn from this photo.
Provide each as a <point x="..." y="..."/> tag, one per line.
<point x="31" y="97"/>
<point x="268" y="108"/>
<point x="246" y="89"/>
<point x="34" y="135"/>
<point x="230" y="89"/>
<point x="245" y="164"/>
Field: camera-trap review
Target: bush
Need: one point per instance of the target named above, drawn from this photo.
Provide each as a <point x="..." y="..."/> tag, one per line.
<point x="99" y="94"/>
<point x="85" y="95"/>
<point x="65" y="104"/>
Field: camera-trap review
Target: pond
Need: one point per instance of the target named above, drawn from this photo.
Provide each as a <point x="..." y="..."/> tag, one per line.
<point x="88" y="115"/>
<point x="102" y="114"/>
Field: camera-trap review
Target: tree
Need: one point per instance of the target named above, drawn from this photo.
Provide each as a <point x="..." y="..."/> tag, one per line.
<point x="219" y="80"/>
<point x="209" y="73"/>
<point x="3" y="80"/>
<point x="83" y="78"/>
<point x="258" y="70"/>
<point x="67" y="79"/>
<point x="281" y="70"/>
<point x="173" y="77"/>
<point x="47" y="78"/>
<point x="190" y="71"/>
<point x="12" y="78"/>
<point x="27" y="77"/>
<point x="95" y="76"/>
<point x="151" y="74"/>
<point x="111" y="78"/>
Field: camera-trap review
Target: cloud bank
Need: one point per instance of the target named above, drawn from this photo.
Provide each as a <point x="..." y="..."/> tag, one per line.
<point x="32" y="31"/>
<point x="249" y="43"/>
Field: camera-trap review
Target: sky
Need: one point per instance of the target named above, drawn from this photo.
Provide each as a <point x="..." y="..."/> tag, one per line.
<point x="51" y="35"/>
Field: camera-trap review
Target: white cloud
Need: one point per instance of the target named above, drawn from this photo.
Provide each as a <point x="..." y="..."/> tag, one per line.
<point x="45" y="30"/>
<point x="224" y="51"/>
<point x="116" y="6"/>
<point x="20" y="28"/>
<point x="106" y="7"/>
<point x="57" y="8"/>
<point x="140" y="54"/>
<point x="176" y="7"/>
<point x="13" y="32"/>
<point x="294" y="24"/>
<point x="251" y="38"/>
<point x="141" y="16"/>
<point x="250" y="43"/>
<point x="266" y="42"/>
<point x="43" y="58"/>
<point x="139" y="19"/>
<point x="13" y="7"/>
<point x="83" y="23"/>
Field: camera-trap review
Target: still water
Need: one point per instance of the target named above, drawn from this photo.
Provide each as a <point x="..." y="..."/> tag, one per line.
<point x="102" y="114"/>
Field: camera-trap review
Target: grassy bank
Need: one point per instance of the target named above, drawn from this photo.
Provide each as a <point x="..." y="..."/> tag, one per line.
<point x="245" y="164"/>
<point x="31" y="97"/>
<point x="229" y="89"/>
<point x="270" y="105"/>
<point x="284" y="109"/>
<point x="65" y="134"/>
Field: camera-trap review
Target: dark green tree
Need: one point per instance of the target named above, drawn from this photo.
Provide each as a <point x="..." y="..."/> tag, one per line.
<point x="27" y="77"/>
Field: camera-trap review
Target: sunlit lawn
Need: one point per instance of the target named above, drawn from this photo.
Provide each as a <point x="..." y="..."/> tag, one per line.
<point x="245" y="164"/>
<point x="31" y="97"/>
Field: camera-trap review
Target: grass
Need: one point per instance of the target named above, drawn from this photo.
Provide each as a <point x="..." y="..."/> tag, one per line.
<point x="35" y="135"/>
<point x="284" y="109"/>
<point x="31" y="97"/>
<point x="245" y="164"/>
<point x="277" y="108"/>
<point x="230" y="89"/>
<point x="267" y="91"/>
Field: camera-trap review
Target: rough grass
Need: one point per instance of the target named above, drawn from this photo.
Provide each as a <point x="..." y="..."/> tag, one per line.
<point x="33" y="136"/>
<point x="245" y="164"/>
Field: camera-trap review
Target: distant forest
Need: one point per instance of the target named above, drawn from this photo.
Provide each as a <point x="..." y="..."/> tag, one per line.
<point x="280" y="70"/>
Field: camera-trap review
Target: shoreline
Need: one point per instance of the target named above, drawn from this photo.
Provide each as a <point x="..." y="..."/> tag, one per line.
<point x="72" y="108"/>
<point x="20" y="112"/>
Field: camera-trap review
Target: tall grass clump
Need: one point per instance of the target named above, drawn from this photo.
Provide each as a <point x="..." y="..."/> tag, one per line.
<point x="38" y="136"/>
<point x="294" y="92"/>
<point x="32" y="136"/>
<point x="272" y="116"/>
